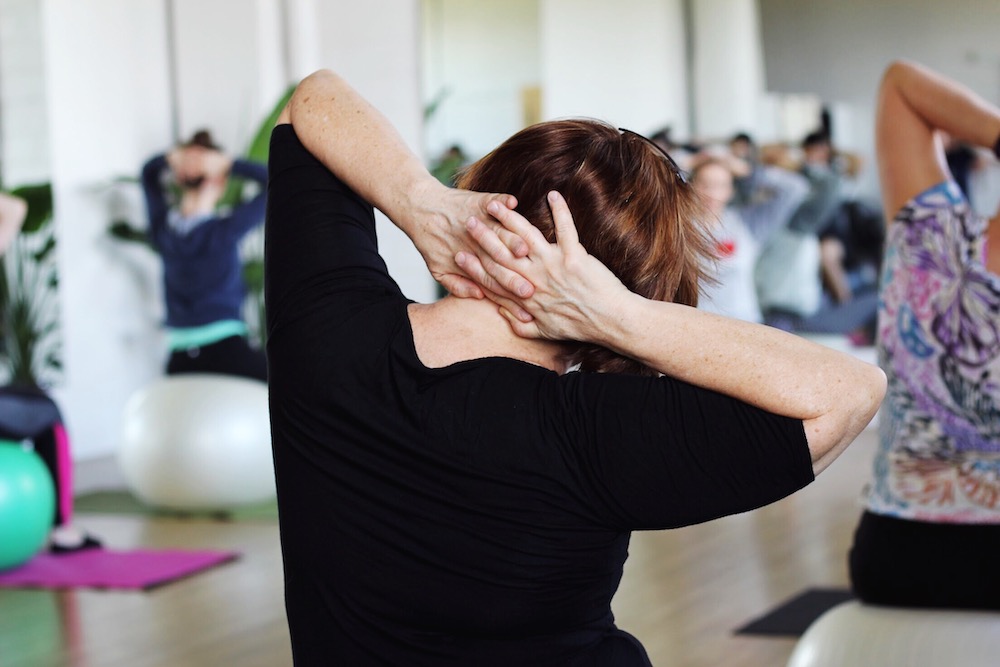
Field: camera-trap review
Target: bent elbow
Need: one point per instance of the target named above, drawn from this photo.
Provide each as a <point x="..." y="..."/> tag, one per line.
<point x="311" y="84"/>
<point x="895" y="72"/>
<point x="860" y="409"/>
<point x="830" y="434"/>
<point x="871" y="387"/>
<point x="318" y="75"/>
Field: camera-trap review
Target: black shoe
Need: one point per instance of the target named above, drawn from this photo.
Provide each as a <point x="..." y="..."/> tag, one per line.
<point x="87" y="543"/>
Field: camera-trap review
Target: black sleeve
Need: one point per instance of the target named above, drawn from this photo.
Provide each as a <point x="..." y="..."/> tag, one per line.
<point x="653" y="453"/>
<point x="320" y="248"/>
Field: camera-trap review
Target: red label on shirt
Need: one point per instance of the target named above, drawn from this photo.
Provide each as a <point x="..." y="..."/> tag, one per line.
<point x="725" y="248"/>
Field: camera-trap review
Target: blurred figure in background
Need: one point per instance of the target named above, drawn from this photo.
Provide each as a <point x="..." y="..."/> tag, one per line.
<point x="820" y="275"/>
<point x="741" y="231"/>
<point x="199" y="247"/>
<point x="742" y="147"/>
<point x="681" y="153"/>
<point x="930" y="534"/>
<point x="28" y="413"/>
<point x="448" y="164"/>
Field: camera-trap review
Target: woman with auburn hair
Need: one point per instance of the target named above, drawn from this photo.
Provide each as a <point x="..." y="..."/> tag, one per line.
<point x="634" y="211"/>
<point x="450" y="490"/>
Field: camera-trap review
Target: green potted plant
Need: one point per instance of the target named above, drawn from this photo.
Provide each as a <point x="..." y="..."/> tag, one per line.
<point x="30" y="343"/>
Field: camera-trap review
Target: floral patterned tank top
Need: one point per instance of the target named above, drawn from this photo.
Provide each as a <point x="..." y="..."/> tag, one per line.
<point x="938" y="342"/>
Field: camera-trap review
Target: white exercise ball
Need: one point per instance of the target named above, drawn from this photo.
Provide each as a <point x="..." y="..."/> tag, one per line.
<point x="198" y="442"/>
<point x="853" y="634"/>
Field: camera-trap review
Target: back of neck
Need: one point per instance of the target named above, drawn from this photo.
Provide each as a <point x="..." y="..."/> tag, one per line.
<point x="453" y="330"/>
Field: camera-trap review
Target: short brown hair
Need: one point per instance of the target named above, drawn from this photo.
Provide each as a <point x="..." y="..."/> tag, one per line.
<point x="632" y="207"/>
<point x="202" y="139"/>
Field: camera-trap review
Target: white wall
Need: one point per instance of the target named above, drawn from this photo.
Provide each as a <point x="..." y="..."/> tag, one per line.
<point x="375" y="45"/>
<point x="24" y="135"/>
<point x="229" y="66"/>
<point x="839" y="49"/>
<point x="728" y="67"/>
<point x="623" y="62"/>
<point x="483" y="54"/>
<point x="101" y="126"/>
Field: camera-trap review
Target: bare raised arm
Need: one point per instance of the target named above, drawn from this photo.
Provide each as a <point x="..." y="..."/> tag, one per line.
<point x="13" y="211"/>
<point x="578" y="298"/>
<point x="914" y="102"/>
<point x="362" y="148"/>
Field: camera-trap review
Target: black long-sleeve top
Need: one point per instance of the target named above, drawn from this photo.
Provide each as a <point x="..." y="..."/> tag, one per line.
<point x="476" y="514"/>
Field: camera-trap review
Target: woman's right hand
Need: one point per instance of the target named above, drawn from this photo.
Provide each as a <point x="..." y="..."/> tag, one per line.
<point x="575" y="295"/>
<point x="436" y="219"/>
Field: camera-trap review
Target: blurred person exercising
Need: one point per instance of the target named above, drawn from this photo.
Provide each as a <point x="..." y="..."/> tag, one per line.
<point x="199" y="246"/>
<point x="931" y="529"/>
<point x="28" y="413"/>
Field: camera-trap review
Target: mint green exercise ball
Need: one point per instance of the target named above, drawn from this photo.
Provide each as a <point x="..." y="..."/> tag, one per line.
<point x="27" y="504"/>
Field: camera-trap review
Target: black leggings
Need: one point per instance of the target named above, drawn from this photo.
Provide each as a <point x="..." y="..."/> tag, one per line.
<point x="27" y="413"/>
<point x="903" y="563"/>
<point x="229" y="356"/>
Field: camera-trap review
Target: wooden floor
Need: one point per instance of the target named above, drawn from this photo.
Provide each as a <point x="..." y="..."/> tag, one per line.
<point x="683" y="593"/>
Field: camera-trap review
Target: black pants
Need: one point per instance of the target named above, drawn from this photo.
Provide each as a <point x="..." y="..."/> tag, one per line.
<point x="902" y="563"/>
<point x="229" y="356"/>
<point x="27" y="413"/>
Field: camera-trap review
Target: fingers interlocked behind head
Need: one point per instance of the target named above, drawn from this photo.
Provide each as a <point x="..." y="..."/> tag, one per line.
<point x="633" y="211"/>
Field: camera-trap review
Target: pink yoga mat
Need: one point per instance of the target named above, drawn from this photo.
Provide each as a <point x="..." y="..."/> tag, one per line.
<point x="104" y="568"/>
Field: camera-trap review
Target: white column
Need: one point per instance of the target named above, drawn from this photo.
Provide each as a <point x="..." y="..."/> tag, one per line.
<point x="273" y="76"/>
<point x="24" y="142"/>
<point x="623" y="62"/>
<point x="728" y="67"/>
<point x="302" y="39"/>
<point x="228" y="61"/>
<point x="485" y="56"/>
<point x="108" y="108"/>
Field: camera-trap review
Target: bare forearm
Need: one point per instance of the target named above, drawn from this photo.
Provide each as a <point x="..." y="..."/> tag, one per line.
<point x="760" y="365"/>
<point x="834" y="394"/>
<point x="945" y="105"/>
<point x="358" y="144"/>
<point x="362" y="148"/>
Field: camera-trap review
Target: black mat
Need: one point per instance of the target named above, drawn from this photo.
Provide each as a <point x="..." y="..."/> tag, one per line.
<point x="793" y="616"/>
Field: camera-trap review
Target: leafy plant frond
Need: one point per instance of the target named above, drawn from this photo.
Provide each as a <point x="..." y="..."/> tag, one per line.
<point x="39" y="200"/>
<point x="123" y="231"/>
<point x="30" y="348"/>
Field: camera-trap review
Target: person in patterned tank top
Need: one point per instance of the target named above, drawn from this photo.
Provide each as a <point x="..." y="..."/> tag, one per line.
<point x="930" y="533"/>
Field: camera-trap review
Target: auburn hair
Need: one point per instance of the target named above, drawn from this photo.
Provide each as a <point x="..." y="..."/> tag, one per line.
<point x="633" y="209"/>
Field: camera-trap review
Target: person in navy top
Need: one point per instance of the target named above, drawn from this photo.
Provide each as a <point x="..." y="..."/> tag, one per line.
<point x="199" y="245"/>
